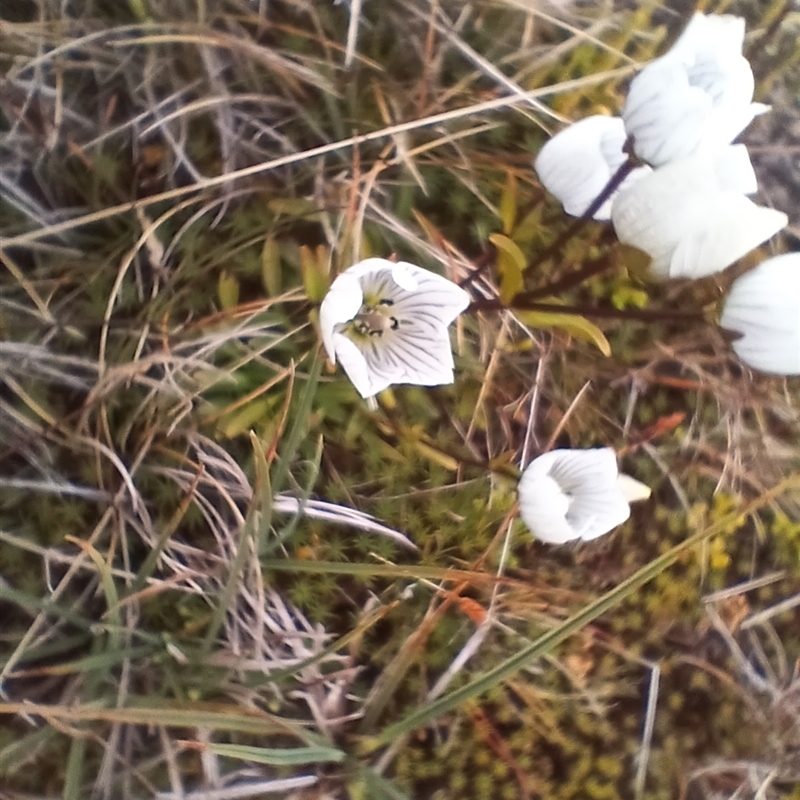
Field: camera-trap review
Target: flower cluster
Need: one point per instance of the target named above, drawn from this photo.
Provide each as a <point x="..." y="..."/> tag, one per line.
<point x="684" y="201"/>
<point x="688" y="206"/>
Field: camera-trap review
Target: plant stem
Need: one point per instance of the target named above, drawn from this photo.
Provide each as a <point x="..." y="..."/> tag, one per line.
<point x="594" y="267"/>
<point x="521" y="303"/>
<point x="613" y="184"/>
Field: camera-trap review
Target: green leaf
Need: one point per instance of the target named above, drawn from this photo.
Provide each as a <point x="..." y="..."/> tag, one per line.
<point x="508" y="246"/>
<point x="575" y="325"/>
<point x="527" y="231"/>
<point x="371" y="786"/>
<point x="314" y="264"/>
<point x="234" y="576"/>
<point x="627" y="296"/>
<point x="24" y="751"/>
<point x="245" y="418"/>
<point x="271" y="266"/>
<point x="276" y="756"/>
<point x="139" y="10"/>
<point x="291" y="206"/>
<point x="511" y="263"/>
<point x="299" y="429"/>
<point x="508" y="204"/>
<point x="228" y="290"/>
<point x="141" y="711"/>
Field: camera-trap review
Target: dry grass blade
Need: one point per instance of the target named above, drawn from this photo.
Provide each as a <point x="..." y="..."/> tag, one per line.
<point x="225" y="575"/>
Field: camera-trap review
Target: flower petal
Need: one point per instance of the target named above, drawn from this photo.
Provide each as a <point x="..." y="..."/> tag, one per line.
<point x="664" y="114"/>
<point x="406" y="311"/>
<point x="369" y="379"/>
<point x="594" y="513"/>
<point x="370" y="266"/>
<point x="764" y="306"/>
<point x="403" y="276"/>
<point x="722" y="32"/>
<point x="631" y="489"/>
<point x="690" y="215"/>
<point x="418" y="354"/>
<point x="725" y="229"/>
<point x="543" y="507"/>
<point x="340" y="305"/>
<point x="576" y="164"/>
<point x="576" y="470"/>
<point x="696" y="96"/>
<point x="733" y="170"/>
<point x="435" y="298"/>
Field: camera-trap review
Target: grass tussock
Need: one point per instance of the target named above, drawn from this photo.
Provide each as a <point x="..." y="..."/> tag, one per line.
<point x="223" y="575"/>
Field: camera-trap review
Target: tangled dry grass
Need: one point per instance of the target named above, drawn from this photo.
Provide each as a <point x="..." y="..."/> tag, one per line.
<point x="221" y="575"/>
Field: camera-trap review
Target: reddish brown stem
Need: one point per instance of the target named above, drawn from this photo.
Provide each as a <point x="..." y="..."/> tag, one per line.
<point x="599" y="312"/>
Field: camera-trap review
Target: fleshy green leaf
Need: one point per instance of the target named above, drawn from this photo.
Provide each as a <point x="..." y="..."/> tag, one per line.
<point x="245" y="418"/>
<point x="291" y="206"/>
<point x="228" y="290"/>
<point x="511" y="262"/>
<point x="314" y="265"/>
<point x="575" y="325"/>
<point x="508" y="204"/>
<point x="271" y="266"/>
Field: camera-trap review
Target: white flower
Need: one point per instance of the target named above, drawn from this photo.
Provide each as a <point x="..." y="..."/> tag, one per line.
<point x="698" y="95"/>
<point x="577" y="163"/>
<point x="387" y="323"/>
<point x="764" y="306"/>
<point x="691" y="216"/>
<point x="576" y="494"/>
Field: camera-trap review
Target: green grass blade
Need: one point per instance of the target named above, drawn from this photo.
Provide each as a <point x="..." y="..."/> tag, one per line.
<point x="22" y="751"/>
<point x="373" y="786"/>
<point x="23" y="600"/>
<point x="412" y="572"/>
<point x="290" y="527"/>
<point x="298" y="429"/>
<point x="220" y="717"/>
<point x="276" y="756"/>
<point x="226" y="596"/>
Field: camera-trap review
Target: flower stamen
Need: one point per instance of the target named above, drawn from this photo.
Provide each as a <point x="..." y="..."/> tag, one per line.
<point x="372" y="321"/>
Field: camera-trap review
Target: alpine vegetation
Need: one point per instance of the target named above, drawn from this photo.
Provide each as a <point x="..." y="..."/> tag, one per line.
<point x="230" y="568"/>
<point x="576" y="494"/>
<point x="386" y="323"/>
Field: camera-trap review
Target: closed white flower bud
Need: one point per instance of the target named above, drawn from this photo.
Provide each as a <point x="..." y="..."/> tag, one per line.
<point x="576" y="494"/>
<point x="764" y="306"/>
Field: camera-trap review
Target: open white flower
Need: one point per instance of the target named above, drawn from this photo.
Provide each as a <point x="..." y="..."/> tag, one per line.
<point x="691" y="216"/>
<point x="387" y="323"/>
<point x="576" y="494"/>
<point x="764" y="306"/>
<point x="698" y="95"/>
<point x="577" y="163"/>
